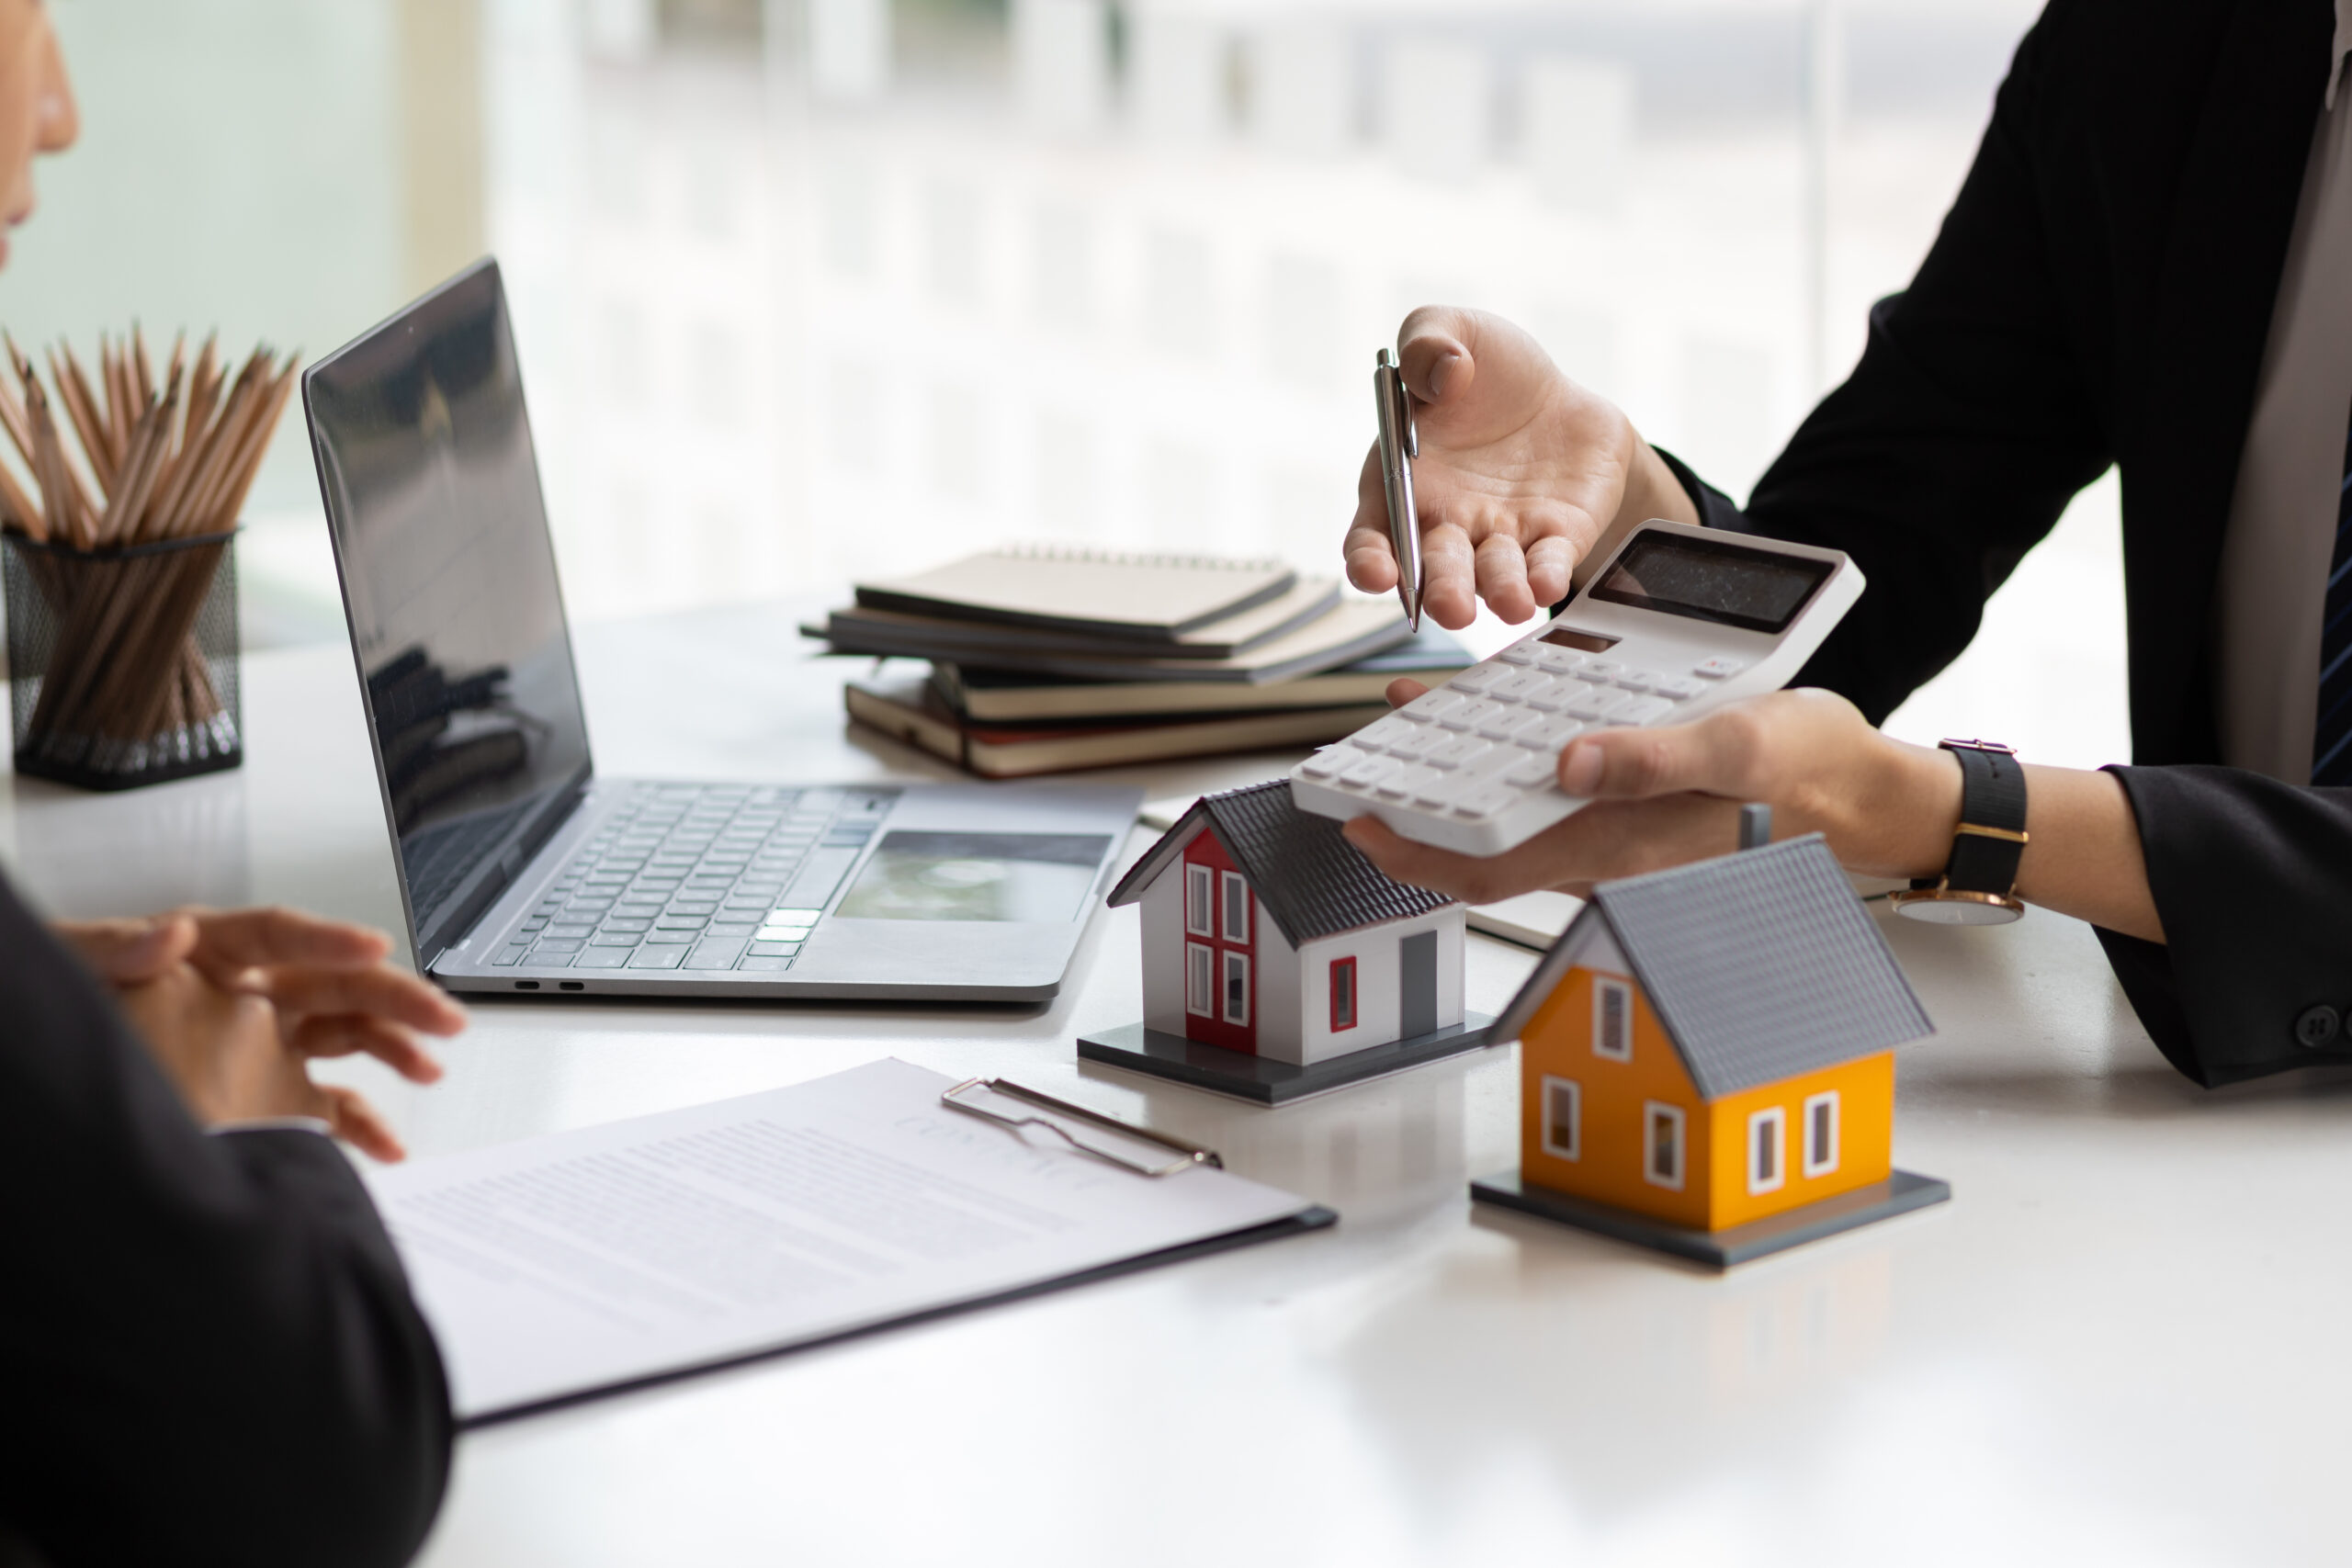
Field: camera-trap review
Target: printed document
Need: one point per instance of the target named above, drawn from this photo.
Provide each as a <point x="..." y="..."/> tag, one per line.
<point x="589" y="1259"/>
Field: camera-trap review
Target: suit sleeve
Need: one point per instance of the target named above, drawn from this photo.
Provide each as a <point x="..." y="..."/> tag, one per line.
<point x="2250" y="878"/>
<point x="210" y="1347"/>
<point x="1964" y="430"/>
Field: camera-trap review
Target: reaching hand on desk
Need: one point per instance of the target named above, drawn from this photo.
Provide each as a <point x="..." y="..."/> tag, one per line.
<point x="317" y="987"/>
<point x="1522" y="473"/>
<point x="1662" y="797"/>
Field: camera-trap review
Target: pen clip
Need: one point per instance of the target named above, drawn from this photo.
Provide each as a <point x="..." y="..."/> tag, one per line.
<point x="1189" y="1153"/>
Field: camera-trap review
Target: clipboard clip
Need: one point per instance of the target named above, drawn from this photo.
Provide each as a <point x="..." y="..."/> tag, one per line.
<point x="1189" y="1154"/>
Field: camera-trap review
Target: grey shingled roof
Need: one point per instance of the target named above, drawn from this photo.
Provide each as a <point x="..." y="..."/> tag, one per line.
<point x="1761" y="965"/>
<point x="1312" y="882"/>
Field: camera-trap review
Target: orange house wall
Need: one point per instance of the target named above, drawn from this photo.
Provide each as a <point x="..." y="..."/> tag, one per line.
<point x="1558" y="1043"/>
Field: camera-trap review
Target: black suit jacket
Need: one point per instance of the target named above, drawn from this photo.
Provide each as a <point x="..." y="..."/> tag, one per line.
<point x="208" y="1345"/>
<point x="2101" y="293"/>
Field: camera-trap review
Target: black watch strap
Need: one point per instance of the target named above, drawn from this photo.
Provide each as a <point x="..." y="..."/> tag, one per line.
<point x="1991" y="838"/>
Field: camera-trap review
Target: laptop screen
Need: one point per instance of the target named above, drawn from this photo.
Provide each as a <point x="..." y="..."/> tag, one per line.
<point x="432" y="492"/>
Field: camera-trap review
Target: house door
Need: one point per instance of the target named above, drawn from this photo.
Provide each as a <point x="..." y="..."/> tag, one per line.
<point x="1417" y="976"/>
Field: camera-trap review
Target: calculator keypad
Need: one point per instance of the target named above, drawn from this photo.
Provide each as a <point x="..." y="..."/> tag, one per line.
<point x="1492" y="737"/>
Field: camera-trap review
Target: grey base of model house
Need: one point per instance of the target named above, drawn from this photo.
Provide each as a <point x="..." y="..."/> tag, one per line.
<point x="1262" y="1080"/>
<point x="1898" y="1194"/>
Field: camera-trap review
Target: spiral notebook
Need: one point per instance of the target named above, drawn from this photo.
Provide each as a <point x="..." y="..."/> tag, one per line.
<point x="1150" y="598"/>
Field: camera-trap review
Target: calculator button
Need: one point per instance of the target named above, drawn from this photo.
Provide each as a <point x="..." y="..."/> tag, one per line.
<point x="1440" y="792"/>
<point x="1601" y="669"/>
<point x="1715" y="668"/>
<point x="1677" y="687"/>
<point x="1555" y="694"/>
<point x="1382" y="733"/>
<point x="1479" y="805"/>
<point x="1531" y="771"/>
<point x="1437" y="704"/>
<point x="1413" y="714"/>
<point x="1419" y="743"/>
<point x="1470" y="715"/>
<point x="1330" y="762"/>
<point x="1478" y="678"/>
<point x="1515" y="686"/>
<point x="1521" y="653"/>
<point x="1369" y="771"/>
<point x="1597" y="702"/>
<point x="1559" y="661"/>
<point x="1551" y="734"/>
<point x="1460" y="750"/>
<point x="1641" y="710"/>
<point x="1640" y="680"/>
<point x="1510" y="722"/>
<point x="1404" y="783"/>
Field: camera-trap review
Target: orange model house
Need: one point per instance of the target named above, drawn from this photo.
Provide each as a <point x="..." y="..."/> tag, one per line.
<point x="1707" y="1060"/>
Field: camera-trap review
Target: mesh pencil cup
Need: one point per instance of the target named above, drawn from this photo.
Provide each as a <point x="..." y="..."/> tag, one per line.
<point x="122" y="664"/>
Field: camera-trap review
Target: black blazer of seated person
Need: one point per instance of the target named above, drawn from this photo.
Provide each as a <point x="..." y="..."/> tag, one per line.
<point x="2102" y="293"/>
<point x="208" y="1348"/>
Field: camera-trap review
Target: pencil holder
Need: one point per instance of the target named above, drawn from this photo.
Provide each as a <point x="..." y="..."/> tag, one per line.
<point x="122" y="664"/>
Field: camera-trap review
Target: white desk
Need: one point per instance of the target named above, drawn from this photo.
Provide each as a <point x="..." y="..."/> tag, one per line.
<point x="2115" y="1345"/>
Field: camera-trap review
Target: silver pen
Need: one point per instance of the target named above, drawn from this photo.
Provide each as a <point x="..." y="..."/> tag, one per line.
<point x="1399" y="444"/>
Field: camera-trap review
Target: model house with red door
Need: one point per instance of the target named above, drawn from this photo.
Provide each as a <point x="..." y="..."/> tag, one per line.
<point x="1266" y="932"/>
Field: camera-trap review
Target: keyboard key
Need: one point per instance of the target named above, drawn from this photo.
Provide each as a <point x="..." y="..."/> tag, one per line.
<point x="1715" y="668"/>
<point x="1385" y="732"/>
<point x="1551" y="734"/>
<point x="603" y="958"/>
<point x="560" y="944"/>
<point x="1482" y="803"/>
<point x="1520" y="653"/>
<point x="1680" y="688"/>
<point x="541" y="959"/>
<point x="627" y="923"/>
<point x="574" y="928"/>
<point x="1602" y="669"/>
<point x="1640" y="680"/>
<point x="732" y="927"/>
<point x="1558" y="661"/>
<point x="1461" y="749"/>
<point x="512" y="955"/>
<point x="1369" y="771"/>
<point x="1478" y="678"/>
<point x="1641" y="710"/>
<point x="1440" y="790"/>
<point x="616" y="938"/>
<point x="1419" y="742"/>
<point x="671" y="939"/>
<point x="1557" y="692"/>
<point x="761" y="961"/>
<point x="820" y="875"/>
<point x="657" y="958"/>
<point x="775" y="949"/>
<point x="535" y="923"/>
<point x="1437" y="704"/>
<point x="719" y="952"/>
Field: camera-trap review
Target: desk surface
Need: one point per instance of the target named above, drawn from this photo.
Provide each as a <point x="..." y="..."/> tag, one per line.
<point x="2111" y="1345"/>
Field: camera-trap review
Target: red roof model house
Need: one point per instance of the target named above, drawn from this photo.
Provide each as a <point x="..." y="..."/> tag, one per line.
<point x="1267" y="935"/>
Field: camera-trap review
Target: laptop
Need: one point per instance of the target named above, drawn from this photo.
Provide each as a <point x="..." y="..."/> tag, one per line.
<point x="521" y="868"/>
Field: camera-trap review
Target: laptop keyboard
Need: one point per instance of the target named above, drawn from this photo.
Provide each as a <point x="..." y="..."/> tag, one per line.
<point x="699" y="877"/>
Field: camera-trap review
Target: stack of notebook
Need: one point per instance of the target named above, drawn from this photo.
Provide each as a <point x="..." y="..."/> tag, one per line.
<point x="1045" y="660"/>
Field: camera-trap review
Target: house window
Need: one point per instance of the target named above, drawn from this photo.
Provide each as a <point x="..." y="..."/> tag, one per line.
<point x="1563" y="1116"/>
<point x="1768" y="1138"/>
<point x="1612" y="1019"/>
<point x="1236" y="988"/>
<point x="1343" y="994"/>
<point x="1821" y="1133"/>
<point x="1199" y="908"/>
<point x="1237" y="908"/>
<point x="1662" y="1144"/>
<point x="1200" y="980"/>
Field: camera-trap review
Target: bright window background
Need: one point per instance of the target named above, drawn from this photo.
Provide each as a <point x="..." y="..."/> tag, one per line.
<point x="810" y="288"/>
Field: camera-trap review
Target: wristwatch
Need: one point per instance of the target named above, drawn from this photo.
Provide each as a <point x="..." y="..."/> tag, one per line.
<point x="1978" y="886"/>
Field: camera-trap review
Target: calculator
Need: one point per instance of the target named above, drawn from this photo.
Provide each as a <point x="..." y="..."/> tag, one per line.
<point x="1678" y="623"/>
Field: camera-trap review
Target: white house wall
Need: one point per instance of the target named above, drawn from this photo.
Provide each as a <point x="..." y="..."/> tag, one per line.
<point x="1163" y="950"/>
<point x="1278" y="999"/>
<point x="1378" y="1005"/>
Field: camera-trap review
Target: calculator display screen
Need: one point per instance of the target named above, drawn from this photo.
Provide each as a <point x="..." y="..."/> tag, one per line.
<point x="1712" y="580"/>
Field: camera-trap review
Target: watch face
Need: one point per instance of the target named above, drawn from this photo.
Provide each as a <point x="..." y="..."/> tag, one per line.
<point x="1980" y="909"/>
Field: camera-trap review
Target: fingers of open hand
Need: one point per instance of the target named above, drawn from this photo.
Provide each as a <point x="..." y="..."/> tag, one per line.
<point x="1501" y="570"/>
<point x="347" y="1034"/>
<point x="1371" y="558"/>
<point x="130" y="952"/>
<point x="1448" y="576"/>
<point x="1551" y="559"/>
<point x="302" y="991"/>
<point x="357" y="1122"/>
<point x="242" y="939"/>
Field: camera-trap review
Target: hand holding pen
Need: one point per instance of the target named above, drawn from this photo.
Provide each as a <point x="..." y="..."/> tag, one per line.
<point x="1520" y="473"/>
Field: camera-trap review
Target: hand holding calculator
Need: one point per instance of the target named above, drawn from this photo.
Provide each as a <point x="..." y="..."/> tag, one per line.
<point x="1679" y="622"/>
